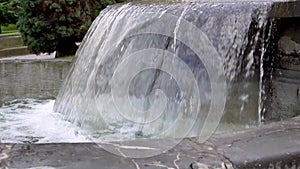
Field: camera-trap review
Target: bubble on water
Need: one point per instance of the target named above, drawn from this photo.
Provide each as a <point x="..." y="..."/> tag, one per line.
<point x="32" y="121"/>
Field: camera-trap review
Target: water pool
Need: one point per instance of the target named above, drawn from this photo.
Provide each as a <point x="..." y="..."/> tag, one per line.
<point x="32" y="121"/>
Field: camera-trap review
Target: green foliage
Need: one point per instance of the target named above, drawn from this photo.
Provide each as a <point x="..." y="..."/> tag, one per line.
<point x="55" y="25"/>
<point x="98" y="5"/>
<point x="9" y="29"/>
<point x="7" y="13"/>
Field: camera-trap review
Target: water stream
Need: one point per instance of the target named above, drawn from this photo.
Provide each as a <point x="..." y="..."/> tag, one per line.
<point x="156" y="69"/>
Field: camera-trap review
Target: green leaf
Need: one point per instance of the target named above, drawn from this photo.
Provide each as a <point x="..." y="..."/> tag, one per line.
<point x="62" y="18"/>
<point x="48" y="24"/>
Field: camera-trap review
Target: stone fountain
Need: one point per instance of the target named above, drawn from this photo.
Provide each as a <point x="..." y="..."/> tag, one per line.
<point x="156" y="79"/>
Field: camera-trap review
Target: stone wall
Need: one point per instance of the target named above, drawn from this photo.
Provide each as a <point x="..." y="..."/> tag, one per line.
<point x="283" y="94"/>
<point x="32" y="79"/>
<point x="12" y="45"/>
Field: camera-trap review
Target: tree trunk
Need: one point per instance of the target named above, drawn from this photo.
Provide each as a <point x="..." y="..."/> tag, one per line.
<point x="66" y="48"/>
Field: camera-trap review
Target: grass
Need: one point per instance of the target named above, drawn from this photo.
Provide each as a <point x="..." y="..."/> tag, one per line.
<point x="9" y="29"/>
<point x="69" y="56"/>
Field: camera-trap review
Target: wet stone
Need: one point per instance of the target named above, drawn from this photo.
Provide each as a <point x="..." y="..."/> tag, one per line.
<point x="273" y="145"/>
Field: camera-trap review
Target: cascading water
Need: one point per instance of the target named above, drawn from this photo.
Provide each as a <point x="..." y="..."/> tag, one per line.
<point x="156" y="70"/>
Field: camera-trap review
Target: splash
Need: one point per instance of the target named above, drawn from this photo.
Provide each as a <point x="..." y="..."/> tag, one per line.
<point x="32" y="121"/>
<point x="107" y="90"/>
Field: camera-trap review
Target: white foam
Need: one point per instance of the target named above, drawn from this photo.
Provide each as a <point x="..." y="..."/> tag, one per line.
<point x="33" y="121"/>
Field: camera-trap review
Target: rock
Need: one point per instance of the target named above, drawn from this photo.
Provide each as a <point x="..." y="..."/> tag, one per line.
<point x="288" y="46"/>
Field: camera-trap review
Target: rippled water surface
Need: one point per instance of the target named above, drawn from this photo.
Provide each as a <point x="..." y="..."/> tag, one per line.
<point x="32" y="121"/>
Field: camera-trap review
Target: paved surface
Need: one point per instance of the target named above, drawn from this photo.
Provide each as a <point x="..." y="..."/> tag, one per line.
<point x="275" y="145"/>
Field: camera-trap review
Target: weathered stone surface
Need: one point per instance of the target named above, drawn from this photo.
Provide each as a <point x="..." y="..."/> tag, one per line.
<point x="15" y="51"/>
<point x="276" y="145"/>
<point x="285" y="96"/>
<point x="288" y="45"/>
<point x="12" y="45"/>
<point x="32" y="79"/>
<point x="9" y="41"/>
<point x="285" y="9"/>
<point x="283" y="73"/>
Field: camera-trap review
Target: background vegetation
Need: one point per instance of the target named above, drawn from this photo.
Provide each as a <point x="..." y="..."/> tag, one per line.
<point x="52" y="25"/>
<point x="7" y="14"/>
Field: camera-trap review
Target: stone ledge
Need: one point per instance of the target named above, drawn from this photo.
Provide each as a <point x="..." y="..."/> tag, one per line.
<point x="11" y="41"/>
<point x="13" y="51"/>
<point x="10" y="61"/>
<point x="275" y="145"/>
<point x="285" y="9"/>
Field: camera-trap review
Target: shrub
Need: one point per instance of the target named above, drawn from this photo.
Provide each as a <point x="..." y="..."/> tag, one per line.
<point x="55" y="25"/>
<point x="7" y="13"/>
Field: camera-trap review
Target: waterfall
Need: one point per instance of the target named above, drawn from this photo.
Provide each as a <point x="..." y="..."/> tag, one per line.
<point x="167" y="69"/>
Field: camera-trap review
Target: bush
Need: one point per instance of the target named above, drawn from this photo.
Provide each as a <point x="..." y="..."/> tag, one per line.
<point x="7" y="13"/>
<point x="55" y="25"/>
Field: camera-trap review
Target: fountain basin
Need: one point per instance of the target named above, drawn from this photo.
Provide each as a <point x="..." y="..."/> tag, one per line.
<point x="275" y="145"/>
